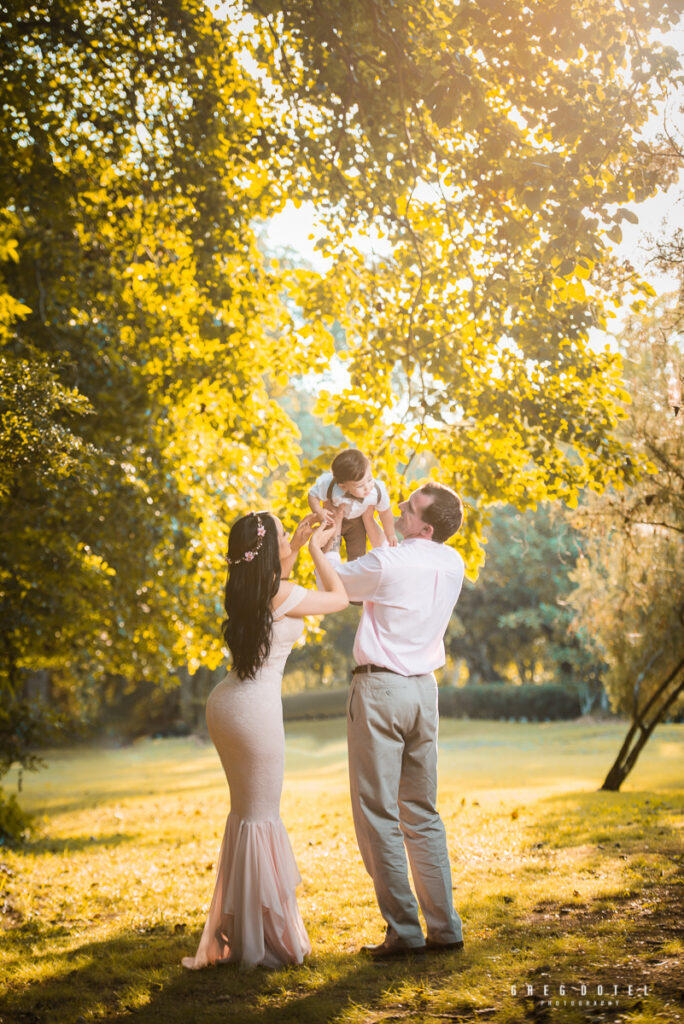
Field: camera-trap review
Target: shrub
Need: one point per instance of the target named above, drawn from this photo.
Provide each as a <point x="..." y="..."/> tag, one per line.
<point x="491" y="700"/>
<point x="14" y="822"/>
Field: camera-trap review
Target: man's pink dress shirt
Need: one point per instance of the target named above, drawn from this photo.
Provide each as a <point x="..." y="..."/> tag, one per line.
<point x="408" y="595"/>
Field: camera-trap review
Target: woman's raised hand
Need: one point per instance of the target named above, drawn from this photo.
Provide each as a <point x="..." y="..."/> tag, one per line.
<point x="303" y="531"/>
<point x="320" y="537"/>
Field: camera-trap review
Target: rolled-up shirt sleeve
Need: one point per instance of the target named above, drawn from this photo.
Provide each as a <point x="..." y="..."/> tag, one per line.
<point x="319" y="489"/>
<point x="362" y="578"/>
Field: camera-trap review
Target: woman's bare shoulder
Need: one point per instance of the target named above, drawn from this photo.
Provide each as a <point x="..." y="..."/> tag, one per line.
<point x="284" y="590"/>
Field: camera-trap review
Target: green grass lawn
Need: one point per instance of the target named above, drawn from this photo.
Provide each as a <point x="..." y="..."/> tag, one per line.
<point x="557" y="884"/>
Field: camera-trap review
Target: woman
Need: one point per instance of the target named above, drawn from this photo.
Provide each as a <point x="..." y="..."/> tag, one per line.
<point x="253" y="918"/>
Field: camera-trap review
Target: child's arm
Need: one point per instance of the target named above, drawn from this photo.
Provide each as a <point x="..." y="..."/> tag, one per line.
<point x="375" y="534"/>
<point x="316" y="507"/>
<point x="321" y="509"/>
<point x="387" y="520"/>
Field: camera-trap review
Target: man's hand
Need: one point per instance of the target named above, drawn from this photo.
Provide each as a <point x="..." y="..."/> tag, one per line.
<point x="331" y="538"/>
<point x="327" y="511"/>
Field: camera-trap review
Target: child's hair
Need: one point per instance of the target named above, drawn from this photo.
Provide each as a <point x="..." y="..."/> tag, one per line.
<point x="349" y="466"/>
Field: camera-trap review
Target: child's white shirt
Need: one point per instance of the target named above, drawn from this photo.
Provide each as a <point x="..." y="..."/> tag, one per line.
<point x="355" y="507"/>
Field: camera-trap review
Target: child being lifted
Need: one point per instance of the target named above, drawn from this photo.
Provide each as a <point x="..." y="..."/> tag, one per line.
<point x="351" y="486"/>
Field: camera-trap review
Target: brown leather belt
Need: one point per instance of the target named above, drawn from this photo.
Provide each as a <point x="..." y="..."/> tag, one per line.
<point x="375" y="668"/>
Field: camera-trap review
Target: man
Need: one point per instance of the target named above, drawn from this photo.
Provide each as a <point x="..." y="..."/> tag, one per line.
<point x="408" y="594"/>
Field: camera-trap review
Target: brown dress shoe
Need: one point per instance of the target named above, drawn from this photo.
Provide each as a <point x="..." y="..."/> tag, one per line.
<point x="442" y="947"/>
<point x="392" y="950"/>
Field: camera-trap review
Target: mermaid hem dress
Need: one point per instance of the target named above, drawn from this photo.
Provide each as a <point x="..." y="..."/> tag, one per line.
<point x="253" y="917"/>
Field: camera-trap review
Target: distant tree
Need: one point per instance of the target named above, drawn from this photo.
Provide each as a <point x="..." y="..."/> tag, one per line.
<point x="516" y="621"/>
<point x="314" y="435"/>
<point x="630" y="581"/>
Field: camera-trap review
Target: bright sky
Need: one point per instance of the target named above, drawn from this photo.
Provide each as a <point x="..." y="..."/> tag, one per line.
<point x="295" y="228"/>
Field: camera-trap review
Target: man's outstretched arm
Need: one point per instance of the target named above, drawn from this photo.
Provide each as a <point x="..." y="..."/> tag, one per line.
<point x="361" y="578"/>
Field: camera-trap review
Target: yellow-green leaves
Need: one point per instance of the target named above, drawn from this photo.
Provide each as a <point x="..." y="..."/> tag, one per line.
<point x="465" y="163"/>
<point x="493" y="148"/>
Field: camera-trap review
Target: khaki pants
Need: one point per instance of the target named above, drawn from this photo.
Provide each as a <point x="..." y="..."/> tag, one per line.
<point x="392" y="736"/>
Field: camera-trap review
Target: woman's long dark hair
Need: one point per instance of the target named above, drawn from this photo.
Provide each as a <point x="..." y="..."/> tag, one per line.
<point x="250" y="588"/>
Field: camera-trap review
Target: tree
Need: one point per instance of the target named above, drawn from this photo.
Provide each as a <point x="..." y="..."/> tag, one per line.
<point x="140" y="325"/>
<point x="486" y="150"/>
<point x="629" y="583"/>
<point x="516" y="621"/>
<point x="143" y="147"/>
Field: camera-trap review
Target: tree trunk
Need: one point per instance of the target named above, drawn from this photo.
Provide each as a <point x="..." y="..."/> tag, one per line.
<point x="37" y="685"/>
<point x="643" y="724"/>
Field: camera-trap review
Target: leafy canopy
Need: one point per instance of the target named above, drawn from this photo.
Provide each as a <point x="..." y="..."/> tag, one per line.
<point x="485" y="149"/>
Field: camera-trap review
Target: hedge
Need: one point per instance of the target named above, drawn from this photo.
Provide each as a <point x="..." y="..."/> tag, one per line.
<point x="541" y="703"/>
<point x="485" y="700"/>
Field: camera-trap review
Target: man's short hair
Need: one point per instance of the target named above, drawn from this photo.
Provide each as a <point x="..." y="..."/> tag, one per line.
<point x="349" y="466"/>
<point x="444" y="514"/>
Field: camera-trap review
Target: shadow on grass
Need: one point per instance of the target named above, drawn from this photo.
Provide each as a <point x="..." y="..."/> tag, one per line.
<point x="139" y="977"/>
<point x="607" y="819"/>
<point x="73" y="844"/>
<point x="102" y="800"/>
<point x="136" y="975"/>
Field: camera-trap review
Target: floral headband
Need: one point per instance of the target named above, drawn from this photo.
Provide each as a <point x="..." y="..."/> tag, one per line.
<point x="253" y="552"/>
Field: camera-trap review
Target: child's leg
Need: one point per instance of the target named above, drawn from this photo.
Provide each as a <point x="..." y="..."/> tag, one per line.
<point x="354" y="533"/>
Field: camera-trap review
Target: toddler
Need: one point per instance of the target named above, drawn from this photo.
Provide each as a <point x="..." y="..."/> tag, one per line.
<point x="351" y="485"/>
